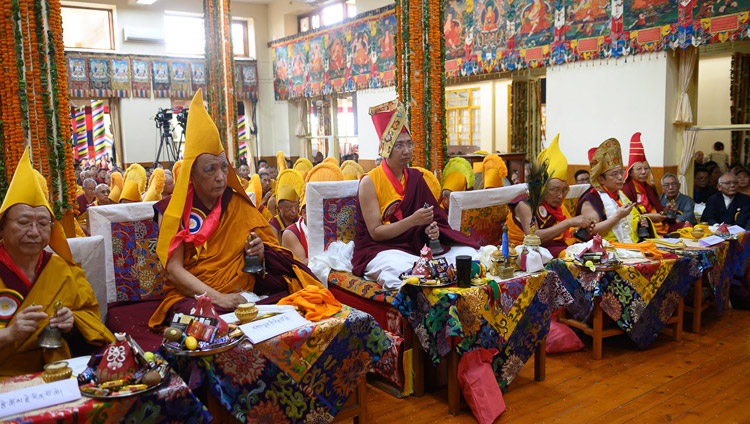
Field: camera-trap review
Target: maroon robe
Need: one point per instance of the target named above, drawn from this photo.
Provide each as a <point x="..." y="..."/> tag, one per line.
<point x="629" y="189"/>
<point x="411" y="241"/>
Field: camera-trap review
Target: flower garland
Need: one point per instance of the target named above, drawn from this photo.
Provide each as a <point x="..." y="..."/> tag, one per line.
<point x="420" y="79"/>
<point x="32" y="102"/>
<point x="220" y="77"/>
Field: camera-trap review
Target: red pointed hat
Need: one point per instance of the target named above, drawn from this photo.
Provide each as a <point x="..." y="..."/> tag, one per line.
<point x="636" y="151"/>
<point x="591" y="153"/>
<point x="390" y="121"/>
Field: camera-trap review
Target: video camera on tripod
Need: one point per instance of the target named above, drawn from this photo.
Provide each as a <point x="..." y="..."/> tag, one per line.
<point x="163" y="121"/>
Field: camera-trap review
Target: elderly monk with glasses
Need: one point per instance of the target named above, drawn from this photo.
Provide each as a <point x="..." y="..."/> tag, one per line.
<point x="555" y="224"/>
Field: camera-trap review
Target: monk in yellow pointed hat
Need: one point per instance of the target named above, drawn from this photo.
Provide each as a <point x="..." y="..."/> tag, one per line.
<point x="493" y="171"/>
<point x="303" y="166"/>
<point x="352" y="170"/>
<point x="554" y="222"/>
<point x="457" y="176"/>
<point x="204" y="228"/>
<point x="155" y="186"/>
<point x="32" y="280"/>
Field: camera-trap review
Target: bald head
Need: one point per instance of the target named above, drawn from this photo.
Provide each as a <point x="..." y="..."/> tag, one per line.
<point x="168" y="183"/>
<point x="102" y="194"/>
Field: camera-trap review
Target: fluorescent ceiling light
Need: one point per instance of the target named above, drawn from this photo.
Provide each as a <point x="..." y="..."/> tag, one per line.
<point x="145" y="1"/>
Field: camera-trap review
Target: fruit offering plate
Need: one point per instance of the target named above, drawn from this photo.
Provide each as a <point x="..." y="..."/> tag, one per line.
<point x="600" y="266"/>
<point x="145" y="380"/>
<point x="421" y="281"/>
<point x="97" y="392"/>
<point x="221" y="345"/>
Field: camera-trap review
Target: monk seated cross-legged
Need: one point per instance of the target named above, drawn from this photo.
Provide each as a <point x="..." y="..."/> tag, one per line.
<point x="33" y="280"/>
<point x="397" y="213"/>
<point x="554" y="221"/>
<point x="204" y="228"/>
<point x="614" y="215"/>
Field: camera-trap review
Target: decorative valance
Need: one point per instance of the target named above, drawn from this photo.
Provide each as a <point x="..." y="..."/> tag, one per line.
<point x="115" y="75"/>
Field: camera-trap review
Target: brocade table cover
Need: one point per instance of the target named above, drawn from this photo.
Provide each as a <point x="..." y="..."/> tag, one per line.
<point x="511" y="316"/>
<point x="304" y="375"/>
<point x="640" y="298"/>
<point x="173" y="402"/>
<point x="722" y="262"/>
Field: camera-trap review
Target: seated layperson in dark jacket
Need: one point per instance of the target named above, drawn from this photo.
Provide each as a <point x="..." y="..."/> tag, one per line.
<point x="702" y="190"/>
<point x="727" y="206"/>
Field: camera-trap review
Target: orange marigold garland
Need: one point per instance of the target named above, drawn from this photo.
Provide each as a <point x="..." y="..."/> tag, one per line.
<point x="420" y="62"/>
<point x="33" y="97"/>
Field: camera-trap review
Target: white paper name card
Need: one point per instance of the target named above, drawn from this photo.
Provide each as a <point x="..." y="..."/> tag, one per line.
<point x="735" y="229"/>
<point x="711" y="241"/>
<point x="37" y="397"/>
<point x="264" y="329"/>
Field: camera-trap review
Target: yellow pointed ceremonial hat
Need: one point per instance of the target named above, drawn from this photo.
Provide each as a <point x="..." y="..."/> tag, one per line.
<point x="130" y="192"/>
<point x="331" y="160"/>
<point x="137" y="173"/>
<point x="286" y="192"/>
<point x="25" y="188"/>
<point x="325" y="171"/>
<point x="607" y="156"/>
<point x="352" y="170"/>
<point x="493" y="161"/>
<point x="42" y="183"/>
<point x="432" y="182"/>
<point x="462" y="166"/>
<point x="255" y="187"/>
<point x="280" y="161"/>
<point x="454" y="181"/>
<point x="116" y="180"/>
<point x="156" y="186"/>
<point x="292" y="178"/>
<point x="492" y="178"/>
<point x="201" y="137"/>
<point x="303" y="166"/>
<point x="176" y="169"/>
<point x="558" y="164"/>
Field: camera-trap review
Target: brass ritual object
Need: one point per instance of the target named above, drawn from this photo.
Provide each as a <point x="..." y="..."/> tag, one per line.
<point x="51" y="338"/>
<point x="252" y="262"/>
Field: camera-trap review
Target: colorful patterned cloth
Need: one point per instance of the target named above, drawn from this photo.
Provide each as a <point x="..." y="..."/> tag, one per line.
<point x="138" y="271"/>
<point x="720" y="264"/>
<point x="640" y="298"/>
<point x="339" y="219"/>
<point x="304" y="375"/>
<point x="173" y="402"/>
<point x="359" y="286"/>
<point x="512" y="316"/>
<point x="481" y="223"/>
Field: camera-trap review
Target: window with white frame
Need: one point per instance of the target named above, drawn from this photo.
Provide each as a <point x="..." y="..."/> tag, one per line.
<point x="463" y="117"/>
<point x="88" y="27"/>
<point x="184" y="35"/>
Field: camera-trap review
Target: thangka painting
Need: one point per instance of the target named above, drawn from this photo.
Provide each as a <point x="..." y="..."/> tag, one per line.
<point x="485" y="36"/>
<point x="120" y="77"/>
<point x="141" y="79"/>
<point x="642" y="14"/>
<point x="100" y="79"/>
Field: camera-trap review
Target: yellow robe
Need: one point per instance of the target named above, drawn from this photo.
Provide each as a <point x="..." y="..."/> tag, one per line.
<point x="516" y="234"/>
<point x="387" y="195"/>
<point x="58" y="281"/>
<point x="220" y="264"/>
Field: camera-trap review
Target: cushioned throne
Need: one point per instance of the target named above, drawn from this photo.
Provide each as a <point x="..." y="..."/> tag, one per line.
<point x="134" y="276"/>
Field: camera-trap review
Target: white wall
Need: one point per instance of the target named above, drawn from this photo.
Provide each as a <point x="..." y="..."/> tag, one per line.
<point x="588" y="102"/>
<point x="713" y="101"/>
<point x="501" y="115"/>
<point x="367" y="136"/>
<point x="139" y="135"/>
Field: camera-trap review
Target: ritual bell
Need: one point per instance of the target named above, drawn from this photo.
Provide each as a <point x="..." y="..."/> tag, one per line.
<point x="252" y="262"/>
<point x="51" y="338"/>
<point x="436" y="247"/>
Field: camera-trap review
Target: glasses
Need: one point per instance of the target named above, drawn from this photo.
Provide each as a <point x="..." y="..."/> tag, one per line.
<point x="27" y="224"/>
<point x="729" y="183"/>
<point x="614" y="174"/>
<point x="402" y="146"/>
<point x="556" y="191"/>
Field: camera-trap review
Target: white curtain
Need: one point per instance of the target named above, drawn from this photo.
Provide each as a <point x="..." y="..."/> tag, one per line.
<point x="301" y="131"/>
<point x="684" y="114"/>
<point x="688" y="151"/>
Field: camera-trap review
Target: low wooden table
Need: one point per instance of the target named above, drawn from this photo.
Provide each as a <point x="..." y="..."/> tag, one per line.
<point x="511" y="311"/>
<point x="642" y="298"/>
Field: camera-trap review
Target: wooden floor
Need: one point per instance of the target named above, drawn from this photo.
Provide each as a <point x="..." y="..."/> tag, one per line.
<point x="704" y="378"/>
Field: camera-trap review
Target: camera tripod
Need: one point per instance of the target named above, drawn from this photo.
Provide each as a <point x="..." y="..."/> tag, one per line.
<point x="166" y="142"/>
